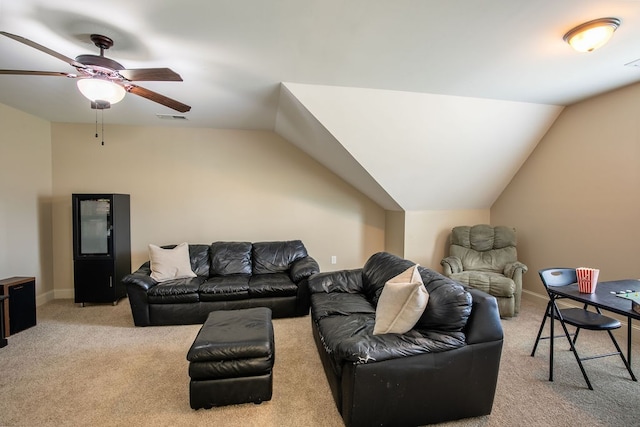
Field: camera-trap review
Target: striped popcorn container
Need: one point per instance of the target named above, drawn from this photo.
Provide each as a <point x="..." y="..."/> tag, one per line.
<point x="587" y="279"/>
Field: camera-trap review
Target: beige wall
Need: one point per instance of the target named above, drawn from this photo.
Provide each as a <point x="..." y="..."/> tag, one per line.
<point x="203" y="185"/>
<point x="427" y="233"/>
<point x="394" y="232"/>
<point x="576" y="201"/>
<point x="25" y="199"/>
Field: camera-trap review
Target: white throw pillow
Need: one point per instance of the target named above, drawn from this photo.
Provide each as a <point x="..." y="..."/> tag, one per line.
<point x="402" y="302"/>
<point x="167" y="264"/>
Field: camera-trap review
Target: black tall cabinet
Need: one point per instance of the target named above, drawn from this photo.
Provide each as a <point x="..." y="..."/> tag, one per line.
<point x="101" y="247"/>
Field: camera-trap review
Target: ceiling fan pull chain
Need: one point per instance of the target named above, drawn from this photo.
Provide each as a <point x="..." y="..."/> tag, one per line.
<point x="96" y="123"/>
<point x="102" y="117"/>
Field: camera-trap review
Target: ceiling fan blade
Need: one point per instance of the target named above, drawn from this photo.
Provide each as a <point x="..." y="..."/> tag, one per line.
<point x="156" y="97"/>
<point x="151" y="74"/>
<point x="44" y="49"/>
<point x="38" y="73"/>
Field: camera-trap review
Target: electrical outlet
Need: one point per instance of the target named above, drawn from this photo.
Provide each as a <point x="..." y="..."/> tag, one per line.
<point x="334" y="259"/>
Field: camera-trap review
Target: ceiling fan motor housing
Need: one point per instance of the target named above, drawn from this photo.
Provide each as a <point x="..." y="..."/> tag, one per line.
<point x="100" y="63"/>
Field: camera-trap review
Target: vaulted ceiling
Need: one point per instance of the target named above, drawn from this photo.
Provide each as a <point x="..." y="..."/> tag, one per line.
<point x="420" y="104"/>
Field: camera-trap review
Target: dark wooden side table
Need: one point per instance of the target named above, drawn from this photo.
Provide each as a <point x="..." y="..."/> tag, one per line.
<point x="20" y="307"/>
<point x="3" y="340"/>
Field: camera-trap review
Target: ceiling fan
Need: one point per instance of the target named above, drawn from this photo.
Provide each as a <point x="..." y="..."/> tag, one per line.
<point x="103" y="80"/>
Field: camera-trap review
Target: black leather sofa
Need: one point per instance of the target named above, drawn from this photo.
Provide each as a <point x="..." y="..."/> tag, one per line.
<point x="445" y="368"/>
<point x="229" y="275"/>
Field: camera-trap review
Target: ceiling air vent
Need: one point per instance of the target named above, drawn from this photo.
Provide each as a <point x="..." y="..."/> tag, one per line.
<point x="171" y="117"/>
<point x="635" y="63"/>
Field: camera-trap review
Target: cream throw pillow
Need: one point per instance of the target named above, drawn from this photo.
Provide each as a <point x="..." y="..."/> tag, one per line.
<point x="167" y="264"/>
<point x="402" y="302"/>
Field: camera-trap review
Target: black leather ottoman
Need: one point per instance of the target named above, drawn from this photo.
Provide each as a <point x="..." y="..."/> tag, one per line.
<point x="231" y="359"/>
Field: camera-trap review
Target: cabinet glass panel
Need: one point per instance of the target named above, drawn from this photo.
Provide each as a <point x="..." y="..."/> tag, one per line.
<point x="95" y="226"/>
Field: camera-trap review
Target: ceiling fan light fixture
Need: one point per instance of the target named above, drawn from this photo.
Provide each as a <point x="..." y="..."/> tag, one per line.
<point x="96" y="89"/>
<point x="591" y="35"/>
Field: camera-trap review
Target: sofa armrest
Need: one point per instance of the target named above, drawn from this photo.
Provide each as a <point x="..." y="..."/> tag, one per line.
<point x="484" y="322"/>
<point x="141" y="278"/>
<point x="451" y="265"/>
<point x="513" y="268"/>
<point x="137" y="284"/>
<point x="347" y="281"/>
<point x="303" y="268"/>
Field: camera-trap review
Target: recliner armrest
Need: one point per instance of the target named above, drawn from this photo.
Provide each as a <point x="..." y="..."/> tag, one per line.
<point x="302" y="268"/>
<point x="511" y="268"/>
<point x="451" y="265"/>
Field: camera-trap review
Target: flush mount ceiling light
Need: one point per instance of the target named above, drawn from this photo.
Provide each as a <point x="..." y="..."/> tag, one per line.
<point x="96" y="89"/>
<point x="591" y="35"/>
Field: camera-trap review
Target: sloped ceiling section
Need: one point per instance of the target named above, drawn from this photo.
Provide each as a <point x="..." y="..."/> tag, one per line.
<point x="297" y="125"/>
<point x="425" y="151"/>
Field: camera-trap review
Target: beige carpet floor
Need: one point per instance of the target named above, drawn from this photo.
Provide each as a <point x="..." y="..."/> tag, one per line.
<point x="91" y="367"/>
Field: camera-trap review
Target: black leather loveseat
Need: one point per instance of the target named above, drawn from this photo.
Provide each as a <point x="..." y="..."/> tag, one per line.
<point x="229" y="275"/>
<point x="444" y="368"/>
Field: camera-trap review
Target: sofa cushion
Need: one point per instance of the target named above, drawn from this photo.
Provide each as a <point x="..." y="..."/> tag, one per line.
<point x="338" y="303"/>
<point x="271" y="285"/>
<point x="225" y="288"/>
<point x="230" y="258"/>
<point x="350" y="339"/>
<point x="167" y="264"/>
<point x="402" y="302"/>
<point x="182" y="290"/>
<point x="276" y="257"/>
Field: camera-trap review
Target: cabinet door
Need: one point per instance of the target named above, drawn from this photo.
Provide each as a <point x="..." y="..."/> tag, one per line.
<point x="22" y="306"/>
<point x="94" y="281"/>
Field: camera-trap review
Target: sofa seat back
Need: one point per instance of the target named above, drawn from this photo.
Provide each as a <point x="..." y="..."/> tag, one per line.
<point x="276" y="257"/>
<point x="230" y="258"/>
<point x="449" y="303"/>
<point x="378" y="269"/>
<point x="199" y="257"/>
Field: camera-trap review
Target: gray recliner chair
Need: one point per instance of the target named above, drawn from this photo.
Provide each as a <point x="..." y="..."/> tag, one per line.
<point x="485" y="257"/>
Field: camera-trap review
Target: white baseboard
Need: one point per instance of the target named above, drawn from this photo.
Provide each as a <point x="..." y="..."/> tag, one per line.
<point x="44" y="298"/>
<point x="64" y="293"/>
